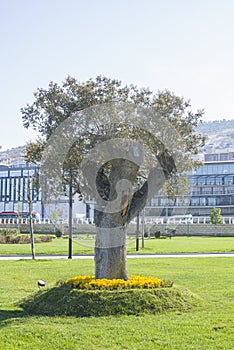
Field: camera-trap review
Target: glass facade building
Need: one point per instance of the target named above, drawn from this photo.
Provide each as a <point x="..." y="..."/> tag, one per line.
<point x="212" y="185"/>
<point x="14" y="188"/>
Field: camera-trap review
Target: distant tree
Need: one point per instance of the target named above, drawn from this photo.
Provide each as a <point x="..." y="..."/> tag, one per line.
<point x="54" y="218"/>
<point x="215" y="216"/>
<point x="32" y="186"/>
<point x="52" y="106"/>
<point x="29" y="200"/>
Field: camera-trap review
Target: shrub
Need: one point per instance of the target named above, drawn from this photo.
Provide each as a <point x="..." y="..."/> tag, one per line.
<point x="7" y="231"/>
<point x="2" y="239"/>
<point x="157" y="234"/>
<point x="58" y="233"/>
<point x="24" y="239"/>
<point x="15" y="238"/>
<point x="215" y="216"/>
<point x="43" y="239"/>
<point x="146" y="231"/>
<point x="9" y="235"/>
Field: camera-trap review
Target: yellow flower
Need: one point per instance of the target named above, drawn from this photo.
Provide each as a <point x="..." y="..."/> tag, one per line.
<point x="89" y="282"/>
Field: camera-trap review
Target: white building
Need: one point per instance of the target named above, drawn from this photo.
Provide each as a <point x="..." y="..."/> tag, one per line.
<point x="14" y="191"/>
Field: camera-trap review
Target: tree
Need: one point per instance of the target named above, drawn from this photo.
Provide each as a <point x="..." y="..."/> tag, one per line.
<point x="102" y="115"/>
<point x="32" y="186"/>
<point x="54" y="219"/>
<point x="215" y="216"/>
<point x="30" y="204"/>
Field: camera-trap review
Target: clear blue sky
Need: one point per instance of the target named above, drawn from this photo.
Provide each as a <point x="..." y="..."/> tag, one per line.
<point x="184" y="46"/>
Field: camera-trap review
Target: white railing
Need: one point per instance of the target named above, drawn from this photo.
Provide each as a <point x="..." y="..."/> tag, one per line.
<point x="148" y="220"/>
<point x="44" y="221"/>
<point x="83" y="221"/>
<point x="195" y="220"/>
<point x="17" y="221"/>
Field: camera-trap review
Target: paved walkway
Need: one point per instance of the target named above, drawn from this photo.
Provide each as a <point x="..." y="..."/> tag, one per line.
<point x="132" y="256"/>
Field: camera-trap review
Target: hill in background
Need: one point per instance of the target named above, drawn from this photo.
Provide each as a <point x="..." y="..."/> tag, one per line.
<point x="12" y="156"/>
<point x="219" y="134"/>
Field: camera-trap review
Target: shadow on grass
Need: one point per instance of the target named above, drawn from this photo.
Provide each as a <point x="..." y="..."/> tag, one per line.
<point x="6" y="315"/>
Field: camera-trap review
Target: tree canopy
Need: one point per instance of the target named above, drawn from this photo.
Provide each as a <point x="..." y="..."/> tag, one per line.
<point x="54" y="105"/>
<point x="121" y="143"/>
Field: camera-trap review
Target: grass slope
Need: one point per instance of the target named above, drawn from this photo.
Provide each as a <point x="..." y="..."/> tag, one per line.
<point x="65" y="301"/>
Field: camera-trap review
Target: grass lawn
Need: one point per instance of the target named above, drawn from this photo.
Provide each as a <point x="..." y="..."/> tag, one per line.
<point x="208" y="327"/>
<point x="84" y="245"/>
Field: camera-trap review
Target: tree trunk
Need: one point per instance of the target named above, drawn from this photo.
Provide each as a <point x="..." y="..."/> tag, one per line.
<point x="31" y="236"/>
<point x="110" y="253"/>
<point x="110" y="246"/>
<point x="30" y="204"/>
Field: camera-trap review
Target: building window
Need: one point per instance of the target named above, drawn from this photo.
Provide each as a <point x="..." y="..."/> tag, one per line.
<point x="3" y="188"/>
<point x="202" y="201"/>
<point x="210" y="180"/>
<point x="194" y="201"/>
<point x="3" y="173"/>
<point x="29" y="172"/>
<point x="229" y="190"/>
<point x="224" y="156"/>
<point x="228" y="180"/>
<point x="154" y="202"/>
<point x="224" y="200"/>
<point x="211" y="157"/>
<point x="217" y="190"/>
<point x="195" y="191"/>
<point x="15" y="173"/>
<point x="12" y="189"/>
<point x="207" y="190"/>
<point x="219" y="180"/>
<point x="211" y="201"/>
<point x="201" y="181"/>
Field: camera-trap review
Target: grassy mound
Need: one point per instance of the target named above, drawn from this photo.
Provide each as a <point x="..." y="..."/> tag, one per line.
<point x="67" y="301"/>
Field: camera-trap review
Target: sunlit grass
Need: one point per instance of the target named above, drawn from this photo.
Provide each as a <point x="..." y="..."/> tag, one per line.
<point x="84" y="244"/>
<point x="209" y="327"/>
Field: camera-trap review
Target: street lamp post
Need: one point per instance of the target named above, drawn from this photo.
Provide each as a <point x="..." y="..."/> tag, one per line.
<point x="143" y="229"/>
<point x="137" y="231"/>
<point x="70" y="222"/>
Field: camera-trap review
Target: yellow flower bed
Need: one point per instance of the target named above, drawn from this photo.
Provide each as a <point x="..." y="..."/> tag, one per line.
<point x="89" y="282"/>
